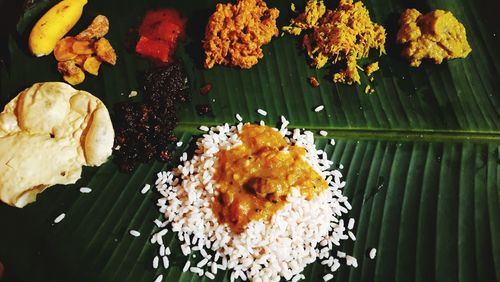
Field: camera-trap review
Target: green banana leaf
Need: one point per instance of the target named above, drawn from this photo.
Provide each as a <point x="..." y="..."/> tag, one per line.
<point x="421" y="156"/>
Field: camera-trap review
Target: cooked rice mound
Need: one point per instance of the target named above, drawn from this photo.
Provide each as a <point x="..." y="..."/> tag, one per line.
<point x="298" y="234"/>
<point x="235" y="33"/>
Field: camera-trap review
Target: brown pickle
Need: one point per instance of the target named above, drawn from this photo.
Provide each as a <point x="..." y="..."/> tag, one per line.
<point x="144" y="129"/>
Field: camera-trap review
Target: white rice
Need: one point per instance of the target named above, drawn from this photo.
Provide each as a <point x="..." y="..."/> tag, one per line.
<point x="373" y="253"/>
<point x="59" y="218"/>
<point x="264" y="251"/>
<point x="135" y="233"/>
<point x="262" y="112"/>
<point x="352" y="261"/>
<point x="145" y="189"/>
<point x="165" y="261"/>
<point x="179" y="143"/>
<point x="155" y="262"/>
<point x="85" y="190"/>
<point x="319" y="108"/>
<point x="159" y="278"/>
<point x="157" y="222"/>
<point x="323" y="133"/>
<point x="239" y="118"/>
<point x="350" y="225"/>
<point x="328" y="277"/>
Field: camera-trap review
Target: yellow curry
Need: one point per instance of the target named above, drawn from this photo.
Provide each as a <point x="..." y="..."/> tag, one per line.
<point x="437" y="35"/>
<point x="255" y="178"/>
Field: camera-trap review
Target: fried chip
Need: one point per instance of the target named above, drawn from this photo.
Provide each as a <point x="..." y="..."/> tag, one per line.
<point x="71" y="72"/>
<point x="92" y="65"/>
<point x="80" y="59"/>
<point x="97" y="29"/>
<point x="83" y="48"/>
<point x="105" y="51"/>
<point x="64" y="49"/>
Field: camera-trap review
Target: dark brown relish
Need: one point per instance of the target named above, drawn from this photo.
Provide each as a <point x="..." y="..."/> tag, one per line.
<point x="144" y="129"/>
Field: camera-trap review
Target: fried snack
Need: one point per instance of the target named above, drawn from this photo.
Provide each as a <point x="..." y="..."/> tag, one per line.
<point x="47" y="133"/>
<point x="80" y="60"/>
<point x="97" y="29"/>
<point x="92" y="65"/>
<point x="437" y="36"/>
<point x="71" y="72"/>
<point x="82" y="47"/>
<point x="235" y="33"/>
<point x="105" y="51"/>
<point x="64" y="49"/>
<point x="344" y="34"/>
<point x="86" y="52"/>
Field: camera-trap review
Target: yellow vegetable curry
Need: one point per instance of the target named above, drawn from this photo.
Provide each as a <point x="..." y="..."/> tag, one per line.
<point x="437" y="35"/>
<point x="255" y="178"/>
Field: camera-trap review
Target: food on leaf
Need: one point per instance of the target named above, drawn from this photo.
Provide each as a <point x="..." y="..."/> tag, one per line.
<point x="286" y="190"/>
<point x="105" y="51"/>
<point x="85" y="52"/>
<point x="314" y="10"/>
<point x="82" y="48"/>
<point x="97" y="29"/>
<point x="53" y="25"/>
<point x="144" y="129"/>
<point x="255" y="178"/>
<point x="159" y="33"/>
<point x="92" y="65"/>
<point x="313" y="81"/>
<point x="80" y="59"/>
<point x="235" y="34"/>
<point x="72" y="73"/>
<point x="371" y="68"/>
<point x="47" y="133"/>
<point x="64" y="49"/>
<point x="345" y="34"/>
<point x="437" y="36"/>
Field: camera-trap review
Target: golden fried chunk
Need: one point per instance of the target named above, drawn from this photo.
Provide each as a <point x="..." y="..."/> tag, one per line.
<point x="235" y="33"/>
<point x="97" y="29"/>
<point x="82" y="48"/>
<point x="92" y="65"/>
<point x="80" y="59"/>
<point x="105" y="51"/>
<point x="64" y="49"/>
<point x="437" y="35"/>
<point x="71" y="72"/>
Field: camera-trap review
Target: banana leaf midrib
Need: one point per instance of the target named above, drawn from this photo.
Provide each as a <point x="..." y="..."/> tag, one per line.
<point x="427" y="135"/>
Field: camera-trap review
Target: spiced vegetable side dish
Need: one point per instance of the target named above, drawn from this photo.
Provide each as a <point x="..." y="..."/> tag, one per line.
<point x="345" y="34"/>
<point x="235" y="34"/>
<point x="436" y="36"/>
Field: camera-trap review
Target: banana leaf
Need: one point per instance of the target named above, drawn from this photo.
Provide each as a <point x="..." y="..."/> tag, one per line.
<point x="421" y="156"/>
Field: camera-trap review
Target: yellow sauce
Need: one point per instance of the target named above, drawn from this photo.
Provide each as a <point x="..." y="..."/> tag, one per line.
<point x="255" y="178"/>
<point x="437" y="35"/>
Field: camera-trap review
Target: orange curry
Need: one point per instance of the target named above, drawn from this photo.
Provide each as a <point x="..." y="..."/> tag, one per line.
<point x="255" y="178"/>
